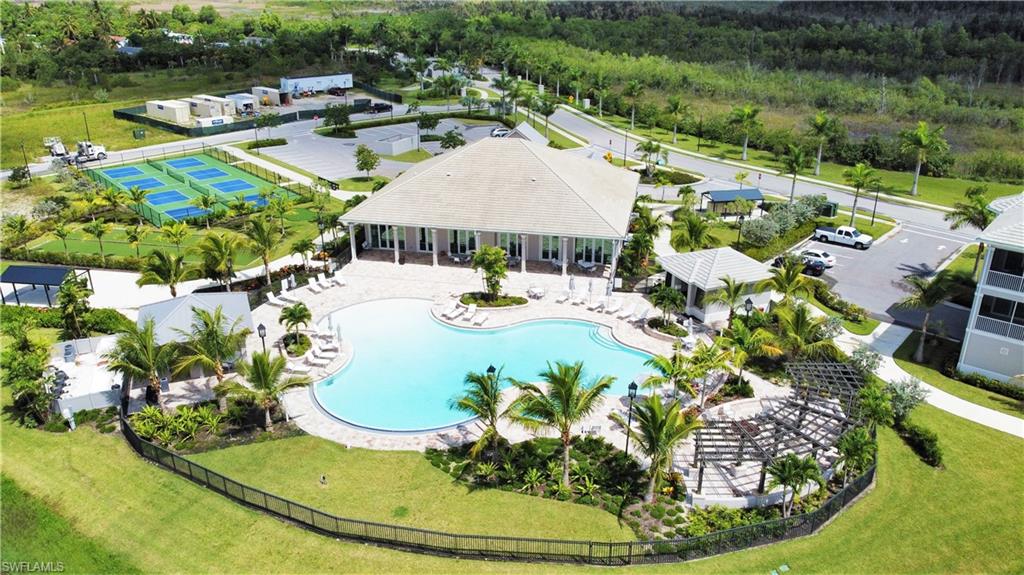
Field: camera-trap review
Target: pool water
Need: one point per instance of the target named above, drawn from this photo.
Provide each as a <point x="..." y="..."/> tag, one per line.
<point x="407" y="366"/>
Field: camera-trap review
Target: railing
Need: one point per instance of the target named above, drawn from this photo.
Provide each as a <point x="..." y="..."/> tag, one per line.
<point x="503" y="548"/>
<point x="1004" y="280"/>
<point x="999" y="327"/>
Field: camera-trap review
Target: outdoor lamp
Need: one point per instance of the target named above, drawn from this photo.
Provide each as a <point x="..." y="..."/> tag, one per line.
<point x="629" y="417"/>
<point x="490" y="370"/>
<point x="261" y="330"/>
<point x="632" y="390"/>
<point x="748" y="305"/>
<point x="739" y="230"/>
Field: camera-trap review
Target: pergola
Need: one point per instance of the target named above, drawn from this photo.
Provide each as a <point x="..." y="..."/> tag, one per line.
<point x="35" y="276"/>
<point x="821" y="408"/>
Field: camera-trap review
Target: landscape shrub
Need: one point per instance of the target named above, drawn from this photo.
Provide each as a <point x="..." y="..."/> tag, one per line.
<point x="297" y="347"/>
<point x="735" y="387"/>
<point x="267" y="143"/>
<point x="106" y="320"/>
<point x="674" y="177"/>
<point x="923" y="441"/>
<point x="482" y="299"/>
<point x="760" y="231"/>
<point x="701" y="521"/>
<point x="669" y="328"/>
<point x="982" y="382"/>
<point x="130" y="263"/>
<point x="824" y="295"/>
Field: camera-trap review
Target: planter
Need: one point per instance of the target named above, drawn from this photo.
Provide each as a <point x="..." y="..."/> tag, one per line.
<point x="658" y="335"/>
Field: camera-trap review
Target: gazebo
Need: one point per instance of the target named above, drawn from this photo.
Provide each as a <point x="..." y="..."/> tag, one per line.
<point x="35" y="276"/>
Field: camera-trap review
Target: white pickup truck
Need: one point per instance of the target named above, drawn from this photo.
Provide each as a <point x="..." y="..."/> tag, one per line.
<point x="846" y="235"/>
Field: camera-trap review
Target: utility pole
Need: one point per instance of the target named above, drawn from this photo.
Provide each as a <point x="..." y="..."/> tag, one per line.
<point x="86" y="120"/>
<point x="24" y="157"/>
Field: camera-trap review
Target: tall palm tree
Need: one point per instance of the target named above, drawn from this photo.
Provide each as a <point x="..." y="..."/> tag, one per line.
<point x="113" y="197"/>
<point x="679" y="111"/>
<point x="802" y="334"/>
<point x="745" y="343"/>
<point x="206" y="203"/>
<point x="922" y="142"/>
<point x="675" y="370"/>
<point x="134" y="236"/>
<point x="166" y="269"/>
<point x="176" y="233"/>
<point x="925" y="295"/>
<point x="861" y="177"/>
<point x="98" y="229"/>
<point x="263" y="240"/>
<point x="566" y="401"/>
<point x="210" y="342"/>
<point x="792" y="472"/>
<point x="481" y="397"/>
<point x="856" y="452"/>
<point x="707" y="358"/>
<point x="692" y="232"/>
<point x="218" y="252"/>
<point x="62" y="232"/>
<point x="136" y="196"/>
<point x="658" y="431"/>
<point x="794" y="162"/>
<point x="788" y="281"/>
<point x="973" y="212"/>
<point x="821" y="126"/>
<point x="647" y="225"/>
<point x="137" y="355"/>
<point x="650" y="153"/>
<point x="17" y="227"/>
<point x="668" y="299"/>
<point x="267" y="382"/>
<point x="745" y="118"/>
<point x="279" y="207"/>
<point x="633" y="91"/>
<point x="303" y="247"/>
<point x="73" y="303"/>
<point x="600" y="84"/>
<point x="294" y="316"/>
<point x="730" y="295"/>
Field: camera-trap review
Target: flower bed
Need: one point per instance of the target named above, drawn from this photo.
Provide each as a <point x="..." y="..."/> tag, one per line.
<point x="482" y="299"/>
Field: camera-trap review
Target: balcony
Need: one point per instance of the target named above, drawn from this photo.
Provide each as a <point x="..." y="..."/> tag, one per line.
<point x="999" y="327"/>
<point x="1004" y="281"/>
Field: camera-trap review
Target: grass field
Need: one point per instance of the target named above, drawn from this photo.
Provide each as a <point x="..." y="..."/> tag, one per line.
<point x="406" y="489"/>
<point x="412" y="156"/>
<point x="855" y="327"/>
<point x="936" y="352"/>
<point x="361" y="183"/>
<point x="964" y="262"/>
<point x="942" y="191"/>
<point x="537" y="122"/>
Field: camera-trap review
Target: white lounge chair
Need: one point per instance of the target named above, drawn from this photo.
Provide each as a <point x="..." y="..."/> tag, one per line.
<point x="314" y="360"/>
<point x="640" y="317"/>
<point x="325" y="283"/>
<point x="578" y="298"/>
<point x="481" y="318"/>
<point x="297" y="368"/>
<point x="598" y="304"/>
<point x="564" y="297"/>
<point x="535" y="292"/>
<point x="314" y="286"/>
<point x="273" y="300"/>
<point x="338" y="280"/>
<point x="320" y="352"/>
<point x="470" y="313"/>
<point x="449" y="310"/>
<point x="288" y="297"/>
<point x="613" y="305"/>
<point x="628" y="312"/>
<point x="329" y="344"/>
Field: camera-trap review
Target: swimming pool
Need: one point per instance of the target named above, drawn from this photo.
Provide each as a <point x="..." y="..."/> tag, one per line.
<point x="406" y="365"/>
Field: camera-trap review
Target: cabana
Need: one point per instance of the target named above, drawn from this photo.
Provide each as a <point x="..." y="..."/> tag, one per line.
<point x="720" y="201"/>
<point x="35" y="276"/>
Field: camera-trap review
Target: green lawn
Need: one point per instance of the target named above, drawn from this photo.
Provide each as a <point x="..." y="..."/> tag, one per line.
<point x="406" y="489"/>
<point x="937" y="350"/>
<point x="942" y="191"/>
<point x="855" y="327"/>
<point x="361" y="183"/>
<point x="964" y="262"/>
<point x="552" y="135"/>
<point x="412" y="156"/>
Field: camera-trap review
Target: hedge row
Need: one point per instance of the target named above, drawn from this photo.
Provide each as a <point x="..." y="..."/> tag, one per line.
<point x="923" y="441"/>
<point x="408" y="118"/>
<point x="130" y="263"/>
<point x="102" y="320"/>
<point x="849" y="311"/>
<point x="980" y="381"/>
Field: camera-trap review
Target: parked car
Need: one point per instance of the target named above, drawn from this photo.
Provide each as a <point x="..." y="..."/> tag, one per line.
<point x="846" y="235"/>
<point x="500" y="132"/>
<point x="378" y="107"/>
<point x="820" y="255"/>
<point x="336" y="91"/>
<point x="811" y="267"/>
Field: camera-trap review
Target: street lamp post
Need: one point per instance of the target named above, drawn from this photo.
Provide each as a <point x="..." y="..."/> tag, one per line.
<point x="629" y="417"/>
<point x="320" y="225"/>
<point x="739" y="229"/>
<point x="491" y="370"/>
<point x="262" y="331"/>
<point x="748" y="305"/>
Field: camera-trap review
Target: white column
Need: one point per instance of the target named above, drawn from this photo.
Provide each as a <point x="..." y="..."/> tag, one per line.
<point x="564" y="252"/>
<point x="616" y="251"/>
<point x="433" y="244"/>
<point x="352" y="240"/>
<point x="394" y="240"/>
<point x="524" y="248"/>
<point x="691" y="295"/>
<point x="476" y="235"/>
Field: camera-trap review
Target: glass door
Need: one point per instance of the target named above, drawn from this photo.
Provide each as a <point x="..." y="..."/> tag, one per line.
<point x="426" y="240"/>
<point x="383" y="237"/>
<point x="549" y="247"/>
<point x="461" y="241"/>
<point x="593" y="251"/>
<point x="511" y="244"/>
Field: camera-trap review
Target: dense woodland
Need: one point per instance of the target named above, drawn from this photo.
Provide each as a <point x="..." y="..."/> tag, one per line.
<point x="958" y="65"/>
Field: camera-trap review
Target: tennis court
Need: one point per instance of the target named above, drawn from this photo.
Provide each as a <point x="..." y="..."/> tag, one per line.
<point x="206" y="174"/>
<point x="124" y="172"/>
<point x="232" y="186"/>
<point x="144" y="184"/>
<point x="168" y="197"/>
<point x="182" y="163"/>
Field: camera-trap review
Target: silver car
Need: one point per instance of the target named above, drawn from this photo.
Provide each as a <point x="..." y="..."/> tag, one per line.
<point x="820" y="255"/>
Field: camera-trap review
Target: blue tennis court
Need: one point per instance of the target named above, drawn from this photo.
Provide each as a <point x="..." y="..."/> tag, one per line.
<point x="117" y="173"/>
<point x="207" y="174"/>
<point x="232" y="186"/>
<point x="144" y="184"/>
<point x="168" y="197"/>
<point x="182" y="213"/>
<point x="181" y="163"/>
<point x="260" y="201"/>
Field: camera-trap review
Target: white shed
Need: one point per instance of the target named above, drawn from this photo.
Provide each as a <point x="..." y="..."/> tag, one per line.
<point x="316" y="83"/>
<point x="171" y="110"/>
<point x="266" y="96"/>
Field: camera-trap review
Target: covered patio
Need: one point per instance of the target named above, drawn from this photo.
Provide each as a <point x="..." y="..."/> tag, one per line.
<point x="35" y="276"/>
<point x="700" y="273"/>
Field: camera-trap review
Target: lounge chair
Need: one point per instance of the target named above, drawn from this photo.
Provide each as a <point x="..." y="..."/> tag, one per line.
<point x="322" y="353"/>
<point x="613" y="305"/>
<point x="640" y="317"/>
<point x="329" y="344"/>
<point x="287" y="296"/>
<point x="325" y="283"/>
<point x="338" y="280"/>
<point x="627" y="312"/>
<point x="456" y="312"/>
<point x="597" y="304"/>
<point x="314" y="286"/>
<point x="314" y="360"/>
<point x="564" y="297"/>
<point x="297" y="368"/>
<point x="449" y="310"/>
<point x="578" y="298"/>
<point x="481" y="318"/>
<point x="470" y="313"/>
<point x="274" y="301"/>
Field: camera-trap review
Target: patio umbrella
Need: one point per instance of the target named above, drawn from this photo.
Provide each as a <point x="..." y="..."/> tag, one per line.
<point x="330" y="323"/>
<point x="572" y="282"/>
<point x="608" y="288"/>
<point x="590" y="289"/>
<point x="291" y="281"/>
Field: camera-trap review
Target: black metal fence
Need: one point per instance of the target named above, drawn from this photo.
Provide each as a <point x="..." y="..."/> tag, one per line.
<point x="382" y="94"/>
<point x="503" y="548"/>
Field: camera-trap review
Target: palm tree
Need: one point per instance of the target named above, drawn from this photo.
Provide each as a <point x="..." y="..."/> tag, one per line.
<point x="874" y="405"/>
<point x="692" y="232"/>
<point x="646" y="226"/>
<point x="113" y="197"/>
<point x="279" y="207"/>
<point x="566" y="402"/>
<point x="481" y="398"/>
<point x="136" y="196"/>
<point x="861" y="177"/>
<point x="745" y="343"/>
<point x="210" y="342"/>
<point x="675" y="370"/>
<point x="668" y="299"/>
<point x="218" y="252"/>
<point x="650" y="153"/>
<point x="794" y="162"/>
<point x="856" y="452"/>
<point x="17" y="227"/>
<point x="98" y="229"/>
<point x="922" y="142"/>
<point x="745" y="118"/>
<point x="303" y="247"/>
<point x="821" y="127"/>
<point x="634" y="90"/>
<point x="792" y="472"/>
<point x="294" y="316"/>
<point x="73" y="303"/>
<point x="730" y="295"/>
<point x="788" y="281"/>
<point x="707" y="358"/>
<point x="266" y="383"/>
<point x="678" y="111"/>
<point x="925" y="295"/>
<point x="975" y="213"/>
<point x="176" y="233"/>
<point x="165" y="269"/>
<point x="62" y="232"/>
<point x="600" y="85"/>
<point x="206" y="203"/>
<point x="137" y="355"/>
<point x="658" y="432"/>
<point x="263" y="240"/>
<point x="545" y="107"/>
<point x="802" y="334"/>
<point x="134" y="235"/>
